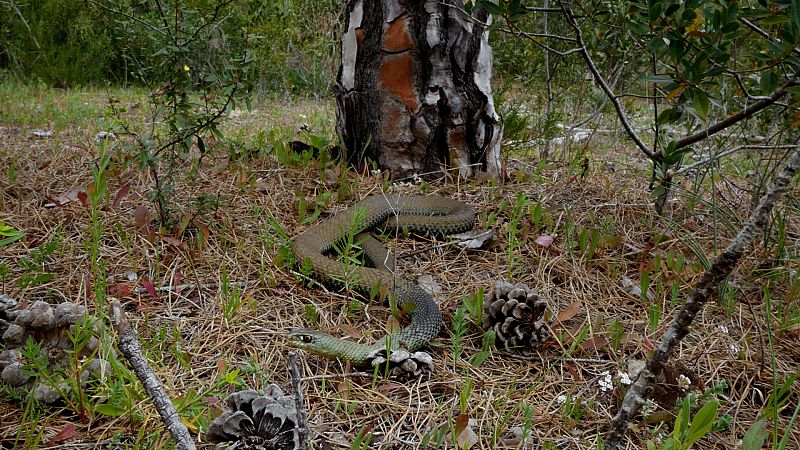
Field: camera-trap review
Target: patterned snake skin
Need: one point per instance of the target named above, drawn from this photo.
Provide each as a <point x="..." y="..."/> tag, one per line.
<point x="422" y="214"/>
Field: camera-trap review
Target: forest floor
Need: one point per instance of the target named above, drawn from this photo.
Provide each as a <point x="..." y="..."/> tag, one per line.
<point x="212" y="308"/>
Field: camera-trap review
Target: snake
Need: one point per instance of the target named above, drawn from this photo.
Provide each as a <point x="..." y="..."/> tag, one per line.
<point x="431" y="215"/>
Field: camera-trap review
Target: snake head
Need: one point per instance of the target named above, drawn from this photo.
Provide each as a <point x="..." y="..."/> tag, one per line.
<point x="305" y="338"/>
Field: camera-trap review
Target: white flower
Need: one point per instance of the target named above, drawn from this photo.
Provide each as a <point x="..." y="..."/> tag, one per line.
<point x="605" y="381"/>
<point x="723" y="328"/>
<point x="561" y="399"/>
<point x="684" y="381"/>
<point x="734" y="348"/>
<point x="648" y="407"/>
<point x="624" y="378"/>
<point x="417" y="179"/>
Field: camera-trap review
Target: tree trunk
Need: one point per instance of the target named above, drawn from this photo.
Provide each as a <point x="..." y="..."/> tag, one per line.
<point x="414" y="91"/>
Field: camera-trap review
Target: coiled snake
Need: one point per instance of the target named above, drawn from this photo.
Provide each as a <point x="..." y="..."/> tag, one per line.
<point x="424" y="214"/>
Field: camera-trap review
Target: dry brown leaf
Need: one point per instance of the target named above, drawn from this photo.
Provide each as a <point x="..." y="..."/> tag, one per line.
<point x="392" y="325"/>
<point x="465" y="436"/>
<point x="350" y="330"/>
<point x="594" y="343"/>
<point x="569" y="312"/>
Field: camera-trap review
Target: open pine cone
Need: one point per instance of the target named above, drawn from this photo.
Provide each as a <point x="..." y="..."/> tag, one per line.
<point x="48" y="326"/>
<point x="257" y="422"/>
<point x="517" y="315"/>
<point x="403" y="364"/>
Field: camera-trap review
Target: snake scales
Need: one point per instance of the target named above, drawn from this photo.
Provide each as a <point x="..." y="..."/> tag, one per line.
<point x="424" y="214"/>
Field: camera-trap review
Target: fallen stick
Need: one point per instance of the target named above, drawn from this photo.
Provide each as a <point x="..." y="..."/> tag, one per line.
<point x="128" y="344"/>
<point x="722" y="267"/>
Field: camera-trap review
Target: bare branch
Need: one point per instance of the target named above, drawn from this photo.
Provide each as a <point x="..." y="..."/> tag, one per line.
<point x="134" y="18"/>
<point x="537" y="35"/>
<point x="727" y="152"/>
<point x="741" y="115"/>
<point x="129" y="345"/>
<point x="603" y="85"/>
<point x="302" y="424"/>
<point x="709" y="282"/>
<point x="763" y="33"/>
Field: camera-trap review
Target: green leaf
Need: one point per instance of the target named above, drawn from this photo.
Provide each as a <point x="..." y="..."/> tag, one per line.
<point x="755" y="436"/>
<point x="109" y="410"/>
<point x="491" y="7"/>
<point x="796" y="14"/>
<point x="774" y="19"/>
<point x="702" y="422"/>
<point x="658" y="79"/>
<point x="701" y="103"/>
<point x="479" y="358"/>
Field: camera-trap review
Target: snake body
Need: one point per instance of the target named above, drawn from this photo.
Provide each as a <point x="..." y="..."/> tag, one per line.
<point x="424" y="214"/>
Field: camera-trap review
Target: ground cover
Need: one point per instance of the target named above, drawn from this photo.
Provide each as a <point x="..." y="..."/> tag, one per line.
<point x="213" y="303"/>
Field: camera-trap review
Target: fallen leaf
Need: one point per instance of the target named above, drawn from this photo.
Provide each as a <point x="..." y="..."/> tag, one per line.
<point x="150" y="288"/>
<point x="465" y="436"/>
<point x="121" y="194"/>
<point x="594" y="343"/>
<point x="350" y="330"/>
<point x="428" y="284"/>
<point x="544" y="240"/>
<point x="68" y="432"/>
<point x="634" y="289"/>
<point x="389" y="386"/>
<point x="141" y="216"/>
<point x="475" y="239"/>
<point x="84" y="198"/>
<point x="392" y="325"/>
<point x="569" y="312"/>
<point x="177" y="243"/>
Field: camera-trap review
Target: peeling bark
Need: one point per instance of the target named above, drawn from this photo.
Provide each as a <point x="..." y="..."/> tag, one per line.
<point x="414" y="92"/>
<point x="709" y="282"/>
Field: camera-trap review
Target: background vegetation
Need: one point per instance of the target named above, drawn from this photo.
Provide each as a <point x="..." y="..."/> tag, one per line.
<point x="146" y="146"/>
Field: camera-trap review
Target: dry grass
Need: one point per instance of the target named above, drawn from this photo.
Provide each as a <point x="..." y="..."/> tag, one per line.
<point x="199" y="344"/>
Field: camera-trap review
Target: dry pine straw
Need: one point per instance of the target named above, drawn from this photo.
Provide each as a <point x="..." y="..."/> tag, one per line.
<point x="398" y="413"/>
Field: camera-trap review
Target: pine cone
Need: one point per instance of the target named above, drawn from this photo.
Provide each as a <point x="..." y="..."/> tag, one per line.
<point x="517" y="316"/>
<point x="49" y="326"/>
<point x="257" y="422"/>
<point x="403" y="364"/>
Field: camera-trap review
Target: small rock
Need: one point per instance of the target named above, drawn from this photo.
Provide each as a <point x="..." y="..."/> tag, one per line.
<point x="9" y="356"/>
<point x="46" y="394"/>
<point x="14" y="375"/>
<point x="14" y="335"/>
<point x="69" y="313"/>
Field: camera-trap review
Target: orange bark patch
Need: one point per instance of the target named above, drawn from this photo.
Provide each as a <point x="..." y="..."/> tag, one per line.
<point x="396" y="77"/>
<point x="396" y="38"/>
<point x="359" y="37"/>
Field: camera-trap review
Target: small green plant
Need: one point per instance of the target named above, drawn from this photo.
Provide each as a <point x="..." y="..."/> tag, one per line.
<point x="8" y="234"/>
<point x="515" y="229"/>
<point x="463" y="395"/>
<point x="458" y="333"/>
<point x="686" y="433"/>
<point x="232" y="296"/>
<point x="350" y="251"/>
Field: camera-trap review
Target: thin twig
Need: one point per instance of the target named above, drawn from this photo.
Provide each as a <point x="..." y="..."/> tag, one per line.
<point x="603" y="85"/>
<point x="741" y="115"/>
<point x="129" y="345"/>
<point x="337" y="375"/>
<point x="727" y="152"/>
<point x="302" y="423"/>
<point x="709" y="282"/>
<point x="181" y="287"/>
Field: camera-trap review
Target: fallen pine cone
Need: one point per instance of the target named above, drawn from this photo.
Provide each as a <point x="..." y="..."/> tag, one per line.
<point x="403" y="364"/>
<point x="517" y="315"/>
<point x="257" y="422"/>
